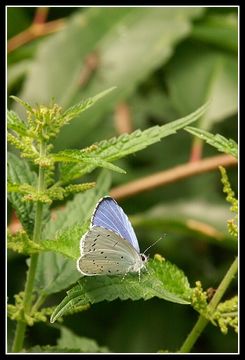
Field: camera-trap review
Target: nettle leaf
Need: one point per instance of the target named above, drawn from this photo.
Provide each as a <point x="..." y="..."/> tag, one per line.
<point x="50" y="349"/>
<point x="19" y="172"/>
<point x="76" y="156"/>
<point x="78" y="210"/>
<point x="222" y="144"/>
<point x="16" y="124"/>
<point x="69" y="339"/>
<point x="77" y="109"/>
<point x="23" y="103"/>
<point x="54" y="273"/>
<point x="67" y="241"/>
<point x="164" y="281"/>
<point x="116" y="148"/>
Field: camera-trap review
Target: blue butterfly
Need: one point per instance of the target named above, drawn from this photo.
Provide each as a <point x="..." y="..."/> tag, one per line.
<point x="110" y="247"/>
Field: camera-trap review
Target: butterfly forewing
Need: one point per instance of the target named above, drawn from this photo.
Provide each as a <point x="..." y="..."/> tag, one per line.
<point x="110" y="215"/>
<point x="105" y="252"/>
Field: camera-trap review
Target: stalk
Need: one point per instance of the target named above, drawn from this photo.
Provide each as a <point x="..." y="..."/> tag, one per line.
<point x="27" y="301"/>
<point x="202" y="321"/>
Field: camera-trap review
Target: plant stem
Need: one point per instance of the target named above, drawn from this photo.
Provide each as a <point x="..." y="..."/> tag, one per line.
<point x="39" y="302"/>
<point x="202" y="321"/>
<point x="172" y="175"/>
<point x="27" y="301"/>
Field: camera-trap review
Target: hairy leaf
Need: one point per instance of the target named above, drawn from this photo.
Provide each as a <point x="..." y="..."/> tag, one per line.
<point x="227" y="146"/>
<point x="76" y="156"/>
<point x="77" y="109"/>
<point x="50" y="349"/>
<point x="116" y="148"/>
<point x="66" y="242"/>
<point x="164" y="281"/>
<point x="16" y="124"/>
<point x="23" y="103"/>
<point x="19" y="172"/>
<point x="54" y="273"/>
<point x="69" y="339"/>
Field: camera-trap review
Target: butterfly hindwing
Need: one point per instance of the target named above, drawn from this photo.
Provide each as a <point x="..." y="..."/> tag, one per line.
<point x="103" y="252"/>
<point x="110" y="215"/>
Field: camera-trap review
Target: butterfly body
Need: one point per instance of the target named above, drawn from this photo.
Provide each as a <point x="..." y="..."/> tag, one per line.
<point x="110" y="247"/>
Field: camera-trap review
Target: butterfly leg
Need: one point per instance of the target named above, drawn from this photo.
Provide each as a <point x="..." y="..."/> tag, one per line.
<point x="126" y="273"/>
<point x="139" y="274"/>
<point x="148" y="272"/>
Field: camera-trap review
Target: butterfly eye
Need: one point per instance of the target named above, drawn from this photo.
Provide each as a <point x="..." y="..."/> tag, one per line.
<point x="143" y="257"/>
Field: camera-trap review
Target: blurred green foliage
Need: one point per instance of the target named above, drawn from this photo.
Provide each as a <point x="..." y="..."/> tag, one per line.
<point x="165" y="63"/>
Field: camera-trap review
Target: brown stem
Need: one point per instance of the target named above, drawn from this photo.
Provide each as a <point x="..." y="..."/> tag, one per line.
<point x="123" y="119"/>
<point x="169" y="176"/>
<point x="33" y="32"/>
<point x="196" y="151"/>
<point x="41" y="15"/>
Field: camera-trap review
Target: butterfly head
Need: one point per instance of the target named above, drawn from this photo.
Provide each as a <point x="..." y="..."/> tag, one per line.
<point x="144" y="258"/>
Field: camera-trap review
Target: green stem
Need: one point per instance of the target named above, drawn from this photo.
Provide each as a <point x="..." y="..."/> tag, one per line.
<point x="39" y="302"/>
<point x="27" y="301"/>
<point x="202" y="321"/>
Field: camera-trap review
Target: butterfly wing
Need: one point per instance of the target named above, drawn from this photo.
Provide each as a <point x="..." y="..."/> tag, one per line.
<point x="110" y="215"/>
<point x="103" y="252"/>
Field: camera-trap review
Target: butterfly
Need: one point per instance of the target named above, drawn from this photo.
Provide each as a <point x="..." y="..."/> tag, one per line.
<point x="110" y="247"/>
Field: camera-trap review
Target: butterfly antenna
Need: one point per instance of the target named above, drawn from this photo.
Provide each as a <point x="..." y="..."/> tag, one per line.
<point x="154" y="243"/>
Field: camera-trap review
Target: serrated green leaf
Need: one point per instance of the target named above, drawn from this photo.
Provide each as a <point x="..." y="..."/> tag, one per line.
<point x="66" y="241"/>
<point x="78" y="210"/>
<point x="77" y="109"/>
<point x="76" y="156"/>
<point x="69" y="339"/>
<point x="15" y="123"/>
<point x="19" y="172"/>
<point x="222" y="144"/>
<point x="164" y="281"/>
<point x="54" y="273"/>
<point x="23" y="103"/>
<point x="50" y="349"/>
<point x="116" y="148"/>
